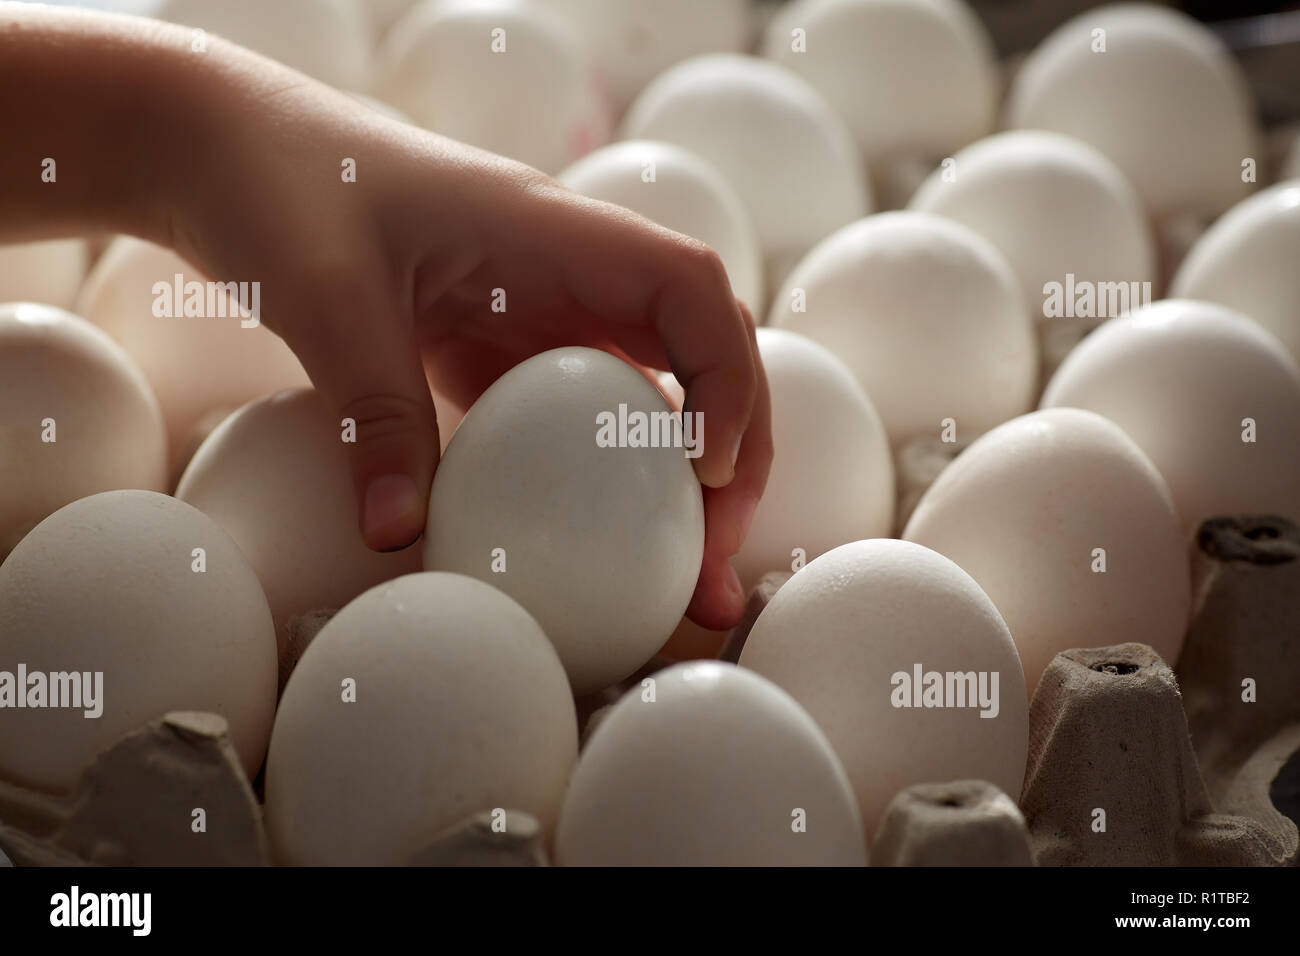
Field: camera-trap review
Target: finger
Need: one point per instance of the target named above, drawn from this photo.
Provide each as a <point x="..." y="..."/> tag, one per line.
<point x="633" y="274"/>
<point x="728" y="512"/>
<point x="364" y="361"/>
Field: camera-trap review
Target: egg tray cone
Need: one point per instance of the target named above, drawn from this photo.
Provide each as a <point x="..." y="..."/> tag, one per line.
<point x="1194" y="769"/>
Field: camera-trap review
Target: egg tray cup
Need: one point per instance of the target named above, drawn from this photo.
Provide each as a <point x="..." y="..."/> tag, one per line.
<point x="1182" y="768"/>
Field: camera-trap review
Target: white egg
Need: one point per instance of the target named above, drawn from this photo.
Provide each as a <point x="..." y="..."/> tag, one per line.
<point x="504" y="76"/>
<point x="839" y="633"/>
<point x="601" y="544"/>
<point x="1164" y="100"/>
<point x="707" y="764"/>
<point x="49" y="272"/>
<point x="384" y="13"/>
<point x="1211" y="397"/>
<point x="195" y="365"/>
<point x="911" y="79"/>
<point x="275" y="475"/>
<point x="788" y="155"/>
<point x="76" y="417"/>
<point x="1051" y="205"/>
<point x="928" y="316"/>
<point x="1248" y="261"/>
<point x="633" y="41"/>
<point x="1069" y="529"/>
<point x="682" y="192"/>
<point x="832" y="477"/>
<point x="326" y="39"/>
<point x="155" y="608"/>
<point x="425" y="700"/>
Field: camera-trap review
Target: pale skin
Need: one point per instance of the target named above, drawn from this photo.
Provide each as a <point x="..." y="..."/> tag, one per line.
<point x="234" y="161"/>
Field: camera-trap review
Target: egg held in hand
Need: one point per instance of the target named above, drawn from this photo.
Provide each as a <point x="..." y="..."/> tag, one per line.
<point x="550" y="491"/>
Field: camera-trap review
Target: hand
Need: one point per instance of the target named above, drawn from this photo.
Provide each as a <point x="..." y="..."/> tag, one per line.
<point x="360" y="278"/>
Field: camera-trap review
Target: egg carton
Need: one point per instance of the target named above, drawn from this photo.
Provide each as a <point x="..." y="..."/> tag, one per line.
<point x="1129" y="762"/>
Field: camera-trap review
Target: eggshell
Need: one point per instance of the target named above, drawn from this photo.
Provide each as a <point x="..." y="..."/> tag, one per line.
<point x="1051" y="205"/>
<point x="771" y="135"/>
<point x="1024" y="511"/>
<point x="602" y="545"/>
<point x="832" y="477"/>
<point x="460" y="705"/>
<point x="1165" y="101"/>
<point x="48" y="272"/>
<point x="109" y="584"/>
<point x="682" y="192"/>
<point x="1248" y="261"/>
<point x="535" y="100"/>
<point x="106" y="424"/>
<point x="1181" y="378"/>
<point x="909" y="77"/>
<point x="706" y="764"/>
<point x="838" y="631"/>
<point x="194" y="364"/>
<point x="275" y="475"/>
<point x="927" y="315"/>
<point x="326" y="39"/>
<point x="633" y="41"/>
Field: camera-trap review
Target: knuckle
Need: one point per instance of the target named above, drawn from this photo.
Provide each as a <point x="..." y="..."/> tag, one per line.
<point x="381" y="417"/>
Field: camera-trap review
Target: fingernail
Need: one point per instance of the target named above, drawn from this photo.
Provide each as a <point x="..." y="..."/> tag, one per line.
<point x="392" y="505"/>
<point x="735" y="449"/>
<point x="745" y="517"/>
<point x="733" y="584"/>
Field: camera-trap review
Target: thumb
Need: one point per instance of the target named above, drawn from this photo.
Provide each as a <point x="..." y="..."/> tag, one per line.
<point x="370" y="373"/>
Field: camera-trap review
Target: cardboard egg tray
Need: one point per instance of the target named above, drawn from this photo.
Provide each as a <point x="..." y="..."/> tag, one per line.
<point x="1197" y="765"/>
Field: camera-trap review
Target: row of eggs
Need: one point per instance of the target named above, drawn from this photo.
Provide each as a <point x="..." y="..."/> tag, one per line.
<point x="920" y="316"/>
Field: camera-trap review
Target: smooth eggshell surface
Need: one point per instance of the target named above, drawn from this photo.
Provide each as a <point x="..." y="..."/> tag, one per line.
<point x="634" y="41"/>
<point x="196" y="365"/>
<point x="112" y="584"/>
<point x="927" y="315"/>
<point x="602" y="545"/>
<point x="275" y="475"/>
<point x="832" y="477"/>
<point x="837" y="632"/>
<point x="1025" y="511"/>
<point x="1051" y="205"/>
<point x="681" y="192"/>
<point x="706" y="764"/>
<point x="1165" y="101"/>
<point x="910" y="77"/>
<point x="1182" y="378"/>
<point x="536" y="100"/>
<point x="771" y="135"/>
<point x="326" y="39"/>
<point x="459" y="706"/>
<point x="64" y="379"/>
<point x="49" y="272"/>
<point x="1248" y="260"/>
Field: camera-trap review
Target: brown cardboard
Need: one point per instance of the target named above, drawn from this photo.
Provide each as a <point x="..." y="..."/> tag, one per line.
<point x="963" y="823"/>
